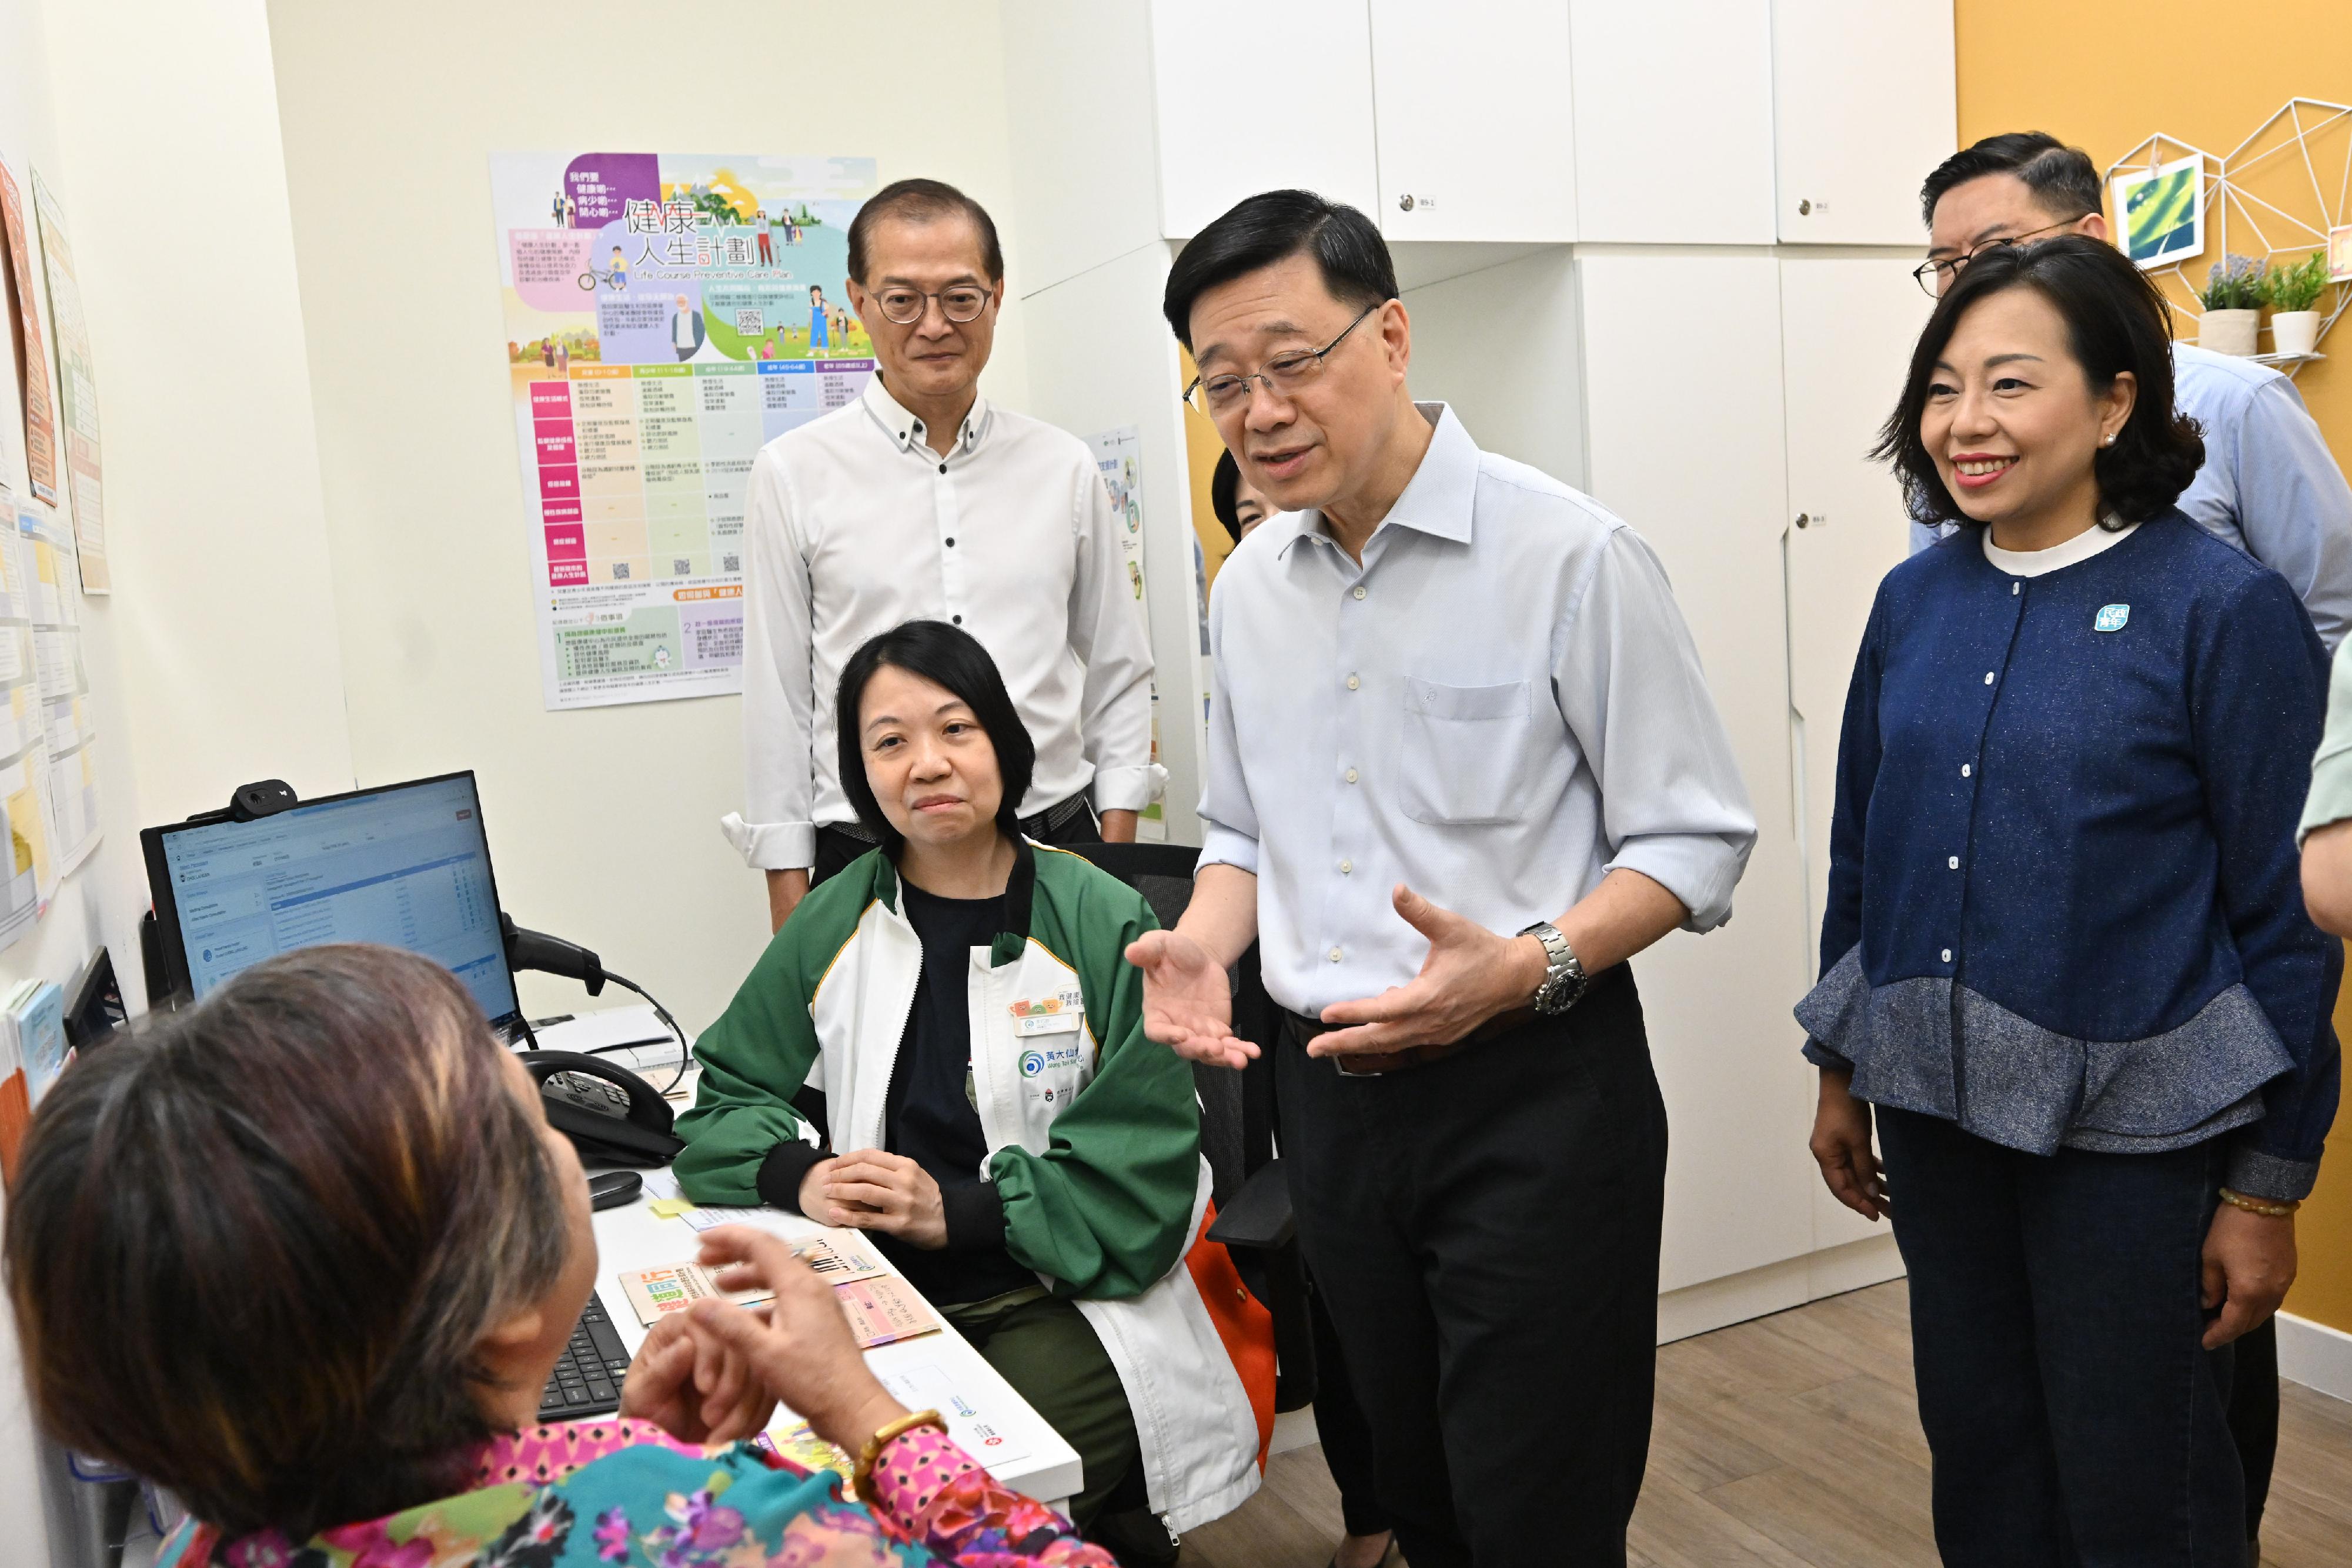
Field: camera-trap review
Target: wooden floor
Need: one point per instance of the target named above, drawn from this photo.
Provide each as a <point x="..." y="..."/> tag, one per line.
<point x="1792" y="1441"/>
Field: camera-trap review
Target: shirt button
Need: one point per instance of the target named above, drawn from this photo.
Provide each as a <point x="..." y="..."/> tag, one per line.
<point x="1359" y="593"/>
<point x="1334" y="954"/>
<point x="1352" y="776"/>
<point x="1988" y="678"/>
<point x="2014" y="589"/>
<point x="1347" y="868"/>
<point x="1953" y="863"/>
<point x="943" y="467"/>
<point x="958" y="619"/>
<point x="1352" y="682"/>
<point x="1947" y="954"/>
<point x="950" y="541"/>
<point x="1964" y="770"/>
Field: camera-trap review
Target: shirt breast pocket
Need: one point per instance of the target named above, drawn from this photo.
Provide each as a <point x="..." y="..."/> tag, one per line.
<point x="1464" y="751"/>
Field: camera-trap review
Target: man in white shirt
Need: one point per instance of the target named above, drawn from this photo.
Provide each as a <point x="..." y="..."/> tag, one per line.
<point x="922" y="501"/>
<point x="1462" y="764"/>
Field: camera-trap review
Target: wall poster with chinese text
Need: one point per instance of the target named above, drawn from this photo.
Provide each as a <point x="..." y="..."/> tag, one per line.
<point x="667" y="316"/>
<point x="32" y="358"/>
<point x="77" y="389"/>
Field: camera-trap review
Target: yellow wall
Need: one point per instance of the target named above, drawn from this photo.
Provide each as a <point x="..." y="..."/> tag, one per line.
<point x="2105" y="75"/>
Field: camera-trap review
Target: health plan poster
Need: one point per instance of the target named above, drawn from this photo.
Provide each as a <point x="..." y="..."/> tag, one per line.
<point x="77" y="391"/>
<point x="667" y="316"/>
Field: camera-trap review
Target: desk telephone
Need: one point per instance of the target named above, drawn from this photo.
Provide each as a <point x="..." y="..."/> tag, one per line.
<point x="613" y="1116"/>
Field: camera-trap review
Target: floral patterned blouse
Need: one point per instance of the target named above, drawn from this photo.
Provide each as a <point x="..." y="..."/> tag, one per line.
<point x="585" y="1494"/>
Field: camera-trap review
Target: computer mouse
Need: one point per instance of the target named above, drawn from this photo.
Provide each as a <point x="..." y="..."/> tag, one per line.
<point x="615" y="1188"/>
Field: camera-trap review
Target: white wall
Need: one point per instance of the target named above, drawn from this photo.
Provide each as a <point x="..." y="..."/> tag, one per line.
<point x="604" y="823"/>
<point x="213" y="660"/>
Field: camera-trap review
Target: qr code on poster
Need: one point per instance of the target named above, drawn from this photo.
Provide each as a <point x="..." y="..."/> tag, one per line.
<point x="751" y="322"/>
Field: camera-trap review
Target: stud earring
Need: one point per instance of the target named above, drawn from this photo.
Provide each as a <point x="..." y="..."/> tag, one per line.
<point x="2108" y="439"/>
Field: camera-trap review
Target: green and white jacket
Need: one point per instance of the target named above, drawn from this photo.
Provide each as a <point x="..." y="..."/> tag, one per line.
<point x="1094" y="1132"/>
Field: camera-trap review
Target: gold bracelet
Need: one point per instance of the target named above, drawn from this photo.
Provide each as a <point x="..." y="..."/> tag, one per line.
<point x="861" y="1480"/>
<point x="2275" y="1209"/>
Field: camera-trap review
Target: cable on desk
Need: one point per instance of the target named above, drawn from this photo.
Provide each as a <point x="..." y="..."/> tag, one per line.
<point x="685" y="1052"/>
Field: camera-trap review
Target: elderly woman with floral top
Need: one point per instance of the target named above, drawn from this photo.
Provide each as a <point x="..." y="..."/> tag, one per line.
<point x="306" y="1254"/>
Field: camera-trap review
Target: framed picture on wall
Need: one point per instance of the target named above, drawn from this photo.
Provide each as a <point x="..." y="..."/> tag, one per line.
<point x="2339" y="254"/>
<point x="2160" y="212"/>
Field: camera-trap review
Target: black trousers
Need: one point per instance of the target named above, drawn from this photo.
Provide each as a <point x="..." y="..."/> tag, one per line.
<point x="2073" y="1417"/>
<point x="835" y="848"/>
<point x="2254" y="1414"/>
<point x="1485" y="1232"/>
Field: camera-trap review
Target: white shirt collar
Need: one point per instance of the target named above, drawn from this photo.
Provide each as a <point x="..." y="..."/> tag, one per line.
<point x="906" y="431"/>
<point x="1438" y="500"/>
<point x="2041" y="562"/>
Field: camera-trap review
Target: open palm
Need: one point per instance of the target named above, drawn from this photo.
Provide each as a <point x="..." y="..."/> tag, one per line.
<point x="1187" y="1003"/>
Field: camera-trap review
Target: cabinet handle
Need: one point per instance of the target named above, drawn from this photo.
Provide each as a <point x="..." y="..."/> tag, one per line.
<point x="1404" y="204"/>
<point x="1803" y="518"/>
<point x="1804" y="209"/>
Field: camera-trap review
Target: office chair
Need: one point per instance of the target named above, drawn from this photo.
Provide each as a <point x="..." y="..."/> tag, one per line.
<point x="1255" y="1223"/>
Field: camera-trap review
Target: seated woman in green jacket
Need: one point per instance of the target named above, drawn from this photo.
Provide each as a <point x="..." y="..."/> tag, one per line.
<point x="999" y="1123"/>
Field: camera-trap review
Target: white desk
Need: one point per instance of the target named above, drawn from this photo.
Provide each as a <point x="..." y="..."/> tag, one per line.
<point x="633" y="1237"/>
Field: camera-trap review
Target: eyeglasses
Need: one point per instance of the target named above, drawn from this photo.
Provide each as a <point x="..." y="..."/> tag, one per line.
<point x="1284" y="375"/>
<point x="1936" y="276"/>
<point x="961" y="304"/>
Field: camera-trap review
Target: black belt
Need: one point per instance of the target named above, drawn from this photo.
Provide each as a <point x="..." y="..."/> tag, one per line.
<point x="1052" y="818"/>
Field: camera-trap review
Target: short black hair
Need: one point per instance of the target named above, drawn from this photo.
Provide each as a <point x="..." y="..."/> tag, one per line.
<point x="1222" y="500"/>
<point x="2115" y="322"/>
<point x="2062" y="178"/>
<point x="1273" y="226"/>
<point x="947" y="657"/>
<point x="922" y="201"/>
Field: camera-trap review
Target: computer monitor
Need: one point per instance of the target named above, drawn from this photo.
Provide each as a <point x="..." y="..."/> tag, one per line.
<point x="407" y="865"/>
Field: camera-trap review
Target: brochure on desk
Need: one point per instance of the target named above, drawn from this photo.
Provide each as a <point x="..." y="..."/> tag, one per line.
<point x="880" y="1307"/>
<point x="923" y="1386"/>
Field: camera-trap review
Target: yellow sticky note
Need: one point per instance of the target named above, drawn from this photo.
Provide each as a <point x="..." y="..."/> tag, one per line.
<point x="670" y="1207"/>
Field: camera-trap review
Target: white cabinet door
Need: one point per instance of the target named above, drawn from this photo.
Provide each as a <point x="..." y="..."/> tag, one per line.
<point x="1865" y="98"/>
<point x="1472" y="107"/>
<point x="1847" y="329"/>
<point x="1685" y="440"/>
<point x="1255" y="97"/>
<point x="1673" y="120"/>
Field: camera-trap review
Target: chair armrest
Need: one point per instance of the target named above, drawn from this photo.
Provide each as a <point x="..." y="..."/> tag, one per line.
<point x="1258" y="1219"/>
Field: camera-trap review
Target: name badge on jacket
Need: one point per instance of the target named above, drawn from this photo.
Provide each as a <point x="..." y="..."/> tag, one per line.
<point x="1048" y="1015"/>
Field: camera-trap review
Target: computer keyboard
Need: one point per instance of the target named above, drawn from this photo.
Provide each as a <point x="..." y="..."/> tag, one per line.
<point x="587" y="1380"/>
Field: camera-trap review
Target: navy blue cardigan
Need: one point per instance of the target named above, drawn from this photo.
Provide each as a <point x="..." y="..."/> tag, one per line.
<point x="2064" y="905"/>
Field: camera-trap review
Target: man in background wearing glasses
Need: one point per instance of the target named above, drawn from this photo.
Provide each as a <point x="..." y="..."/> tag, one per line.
<point x="923" y="501"/>
<point x="1462" y="764"/>
<point x="2269" y="485"/>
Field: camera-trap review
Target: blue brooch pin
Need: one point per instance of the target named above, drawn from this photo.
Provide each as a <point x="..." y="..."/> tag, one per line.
<point x="2112" y="618"/>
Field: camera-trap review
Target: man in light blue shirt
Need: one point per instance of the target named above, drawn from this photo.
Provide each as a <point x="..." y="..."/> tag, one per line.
<point x="2269" y="485"/>
<point x="1462" y="763"/>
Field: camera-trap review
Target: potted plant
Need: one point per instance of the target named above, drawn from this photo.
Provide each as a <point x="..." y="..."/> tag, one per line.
<point x="2294" y="290"/>
<point x="2232" y="297"/>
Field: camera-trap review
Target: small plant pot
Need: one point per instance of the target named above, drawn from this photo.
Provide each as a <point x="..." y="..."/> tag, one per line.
<point x="2294" y="331"/>
<point x="2229" y="332"/>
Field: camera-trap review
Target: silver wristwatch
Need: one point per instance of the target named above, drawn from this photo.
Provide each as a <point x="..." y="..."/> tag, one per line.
<point x="1564" y="982"/>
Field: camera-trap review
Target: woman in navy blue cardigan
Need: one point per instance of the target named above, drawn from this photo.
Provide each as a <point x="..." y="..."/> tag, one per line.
<point x="2064" y="958"/>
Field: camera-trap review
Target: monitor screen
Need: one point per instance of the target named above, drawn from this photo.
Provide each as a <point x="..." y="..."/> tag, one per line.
<point x="407" y="867"/>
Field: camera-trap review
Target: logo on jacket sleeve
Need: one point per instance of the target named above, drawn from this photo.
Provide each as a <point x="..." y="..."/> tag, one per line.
<point x="2111" y="618"/>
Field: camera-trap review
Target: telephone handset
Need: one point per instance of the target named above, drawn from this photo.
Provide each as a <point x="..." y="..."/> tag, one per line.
<point x="613" y="1116"/>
